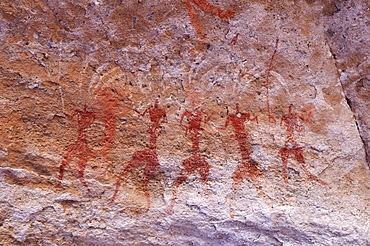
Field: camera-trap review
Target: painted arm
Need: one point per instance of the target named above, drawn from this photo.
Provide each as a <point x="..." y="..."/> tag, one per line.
<point x="254" y="119"/>
<point x="141" y="114"/>
<point x="181" y="119"/>
<point x="306" y="116"/>
<point x="282" y="119"/>
<point x="184" y="115"/>
<point x="71" y="116"/>
<point x="146" y="110"/>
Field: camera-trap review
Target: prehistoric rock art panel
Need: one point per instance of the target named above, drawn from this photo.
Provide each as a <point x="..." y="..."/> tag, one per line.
<point x="78" y="153"/>
<point x="147" y="157"/>
<point x="292" y="122"/>
<point x="207" y="8"/>
<point x="145" y="48"/>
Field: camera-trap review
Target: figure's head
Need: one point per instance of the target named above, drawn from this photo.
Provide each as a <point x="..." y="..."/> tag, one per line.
<point x="290" y="108"/>
<point x="107" y="95"/>
<point x="102" y="92"/>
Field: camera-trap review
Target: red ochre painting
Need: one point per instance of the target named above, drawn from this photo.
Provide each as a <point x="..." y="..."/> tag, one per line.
<point x="109" y="101"/>
<point x="147" y="157"/>
<point x="293" y="123"/>
<point x="248" y="168"/>
<point x="196" y="162"/>
<point x="78" y="153"/>
<point x="193" y="6"/>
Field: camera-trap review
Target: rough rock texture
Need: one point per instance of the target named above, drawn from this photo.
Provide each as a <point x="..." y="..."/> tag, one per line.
<point x="348" y="28"/>
<point x="184" y="122"/>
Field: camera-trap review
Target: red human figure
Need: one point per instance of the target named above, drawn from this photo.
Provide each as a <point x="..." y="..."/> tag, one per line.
<point x="196" y="162"/>
<point x="109" y="99"/>
<point x="248" y="168"/>
<point x="147" y="157"/>
<point x="207" y="8"/>
<point x="193" y="129"/>
<point x="79" y="150"/>
<point x="293" y="124"/>
<point x="237" y="120"/>
<point x="157" y="117"/>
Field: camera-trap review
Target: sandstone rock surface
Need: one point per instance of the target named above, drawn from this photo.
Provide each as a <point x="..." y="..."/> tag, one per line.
<point x="184" y="122"/>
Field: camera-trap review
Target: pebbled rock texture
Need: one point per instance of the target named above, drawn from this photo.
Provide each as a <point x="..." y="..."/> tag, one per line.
<point x="187" y="122"/>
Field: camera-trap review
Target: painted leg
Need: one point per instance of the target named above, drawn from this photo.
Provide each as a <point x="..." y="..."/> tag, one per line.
<point x="118" y="184"/>
<point x="65" y="163"/>
<point x="253" y="170"/>
<point x="204" y="172"/>
<point x="82" y="179"/>
<point x="284" y="159"/>
<point x="148" y="174"/>
<point x="129" y="168"/>
<point x="237" y="180"/>
<point x="181" y="179"/>
<point x="61" y="174"/>
<point x="299" y="157"/>
<point x="235" y="187"/>
<point x="147" y="195"/>
<point x="313" y="177"/>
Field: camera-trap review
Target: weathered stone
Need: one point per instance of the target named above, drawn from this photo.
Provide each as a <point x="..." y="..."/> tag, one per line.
<point x="184" y="122"/>
<point x="347" y="33"/>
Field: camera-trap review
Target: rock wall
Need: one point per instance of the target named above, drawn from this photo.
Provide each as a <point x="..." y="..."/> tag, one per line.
<point x="184" y="122"/>
<point x="347" y="37"/>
